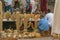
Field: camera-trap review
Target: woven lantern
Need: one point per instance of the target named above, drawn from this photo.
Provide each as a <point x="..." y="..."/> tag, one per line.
<point x="9" y="31"/>
<point x="37" y="35"/>
<point x="9" y="34"/>
<point x="15" y="34"/>
<point x="20" y="36"/>
<point x="55" y="35"/>
<point x="31" y="35"/>
<point x="13" y="16"/>
<point x="3" y="34"/>
<point x="25" y="34"/>
<point x="7" y="15"/>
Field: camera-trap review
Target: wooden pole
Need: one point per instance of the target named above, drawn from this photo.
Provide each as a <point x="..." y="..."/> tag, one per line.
<point x="1" y="22"/>
<point x="25" y="22"/>
<point x="0" y="16"/>
<point x="0" y="7"/>
<point x="17" y="20"/>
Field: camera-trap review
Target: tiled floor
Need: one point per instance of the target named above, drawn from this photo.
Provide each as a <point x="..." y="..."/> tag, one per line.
<point x="43" y="38"/>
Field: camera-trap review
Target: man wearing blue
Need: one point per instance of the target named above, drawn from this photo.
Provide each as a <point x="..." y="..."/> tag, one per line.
<point x="43" y="24"/>
<point x="8" y="5"/>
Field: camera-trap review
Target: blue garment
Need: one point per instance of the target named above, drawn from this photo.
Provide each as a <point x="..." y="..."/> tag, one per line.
<point x="43" y="24"/>
<point x="8" y="1"/>
<point x="7" y="8"/>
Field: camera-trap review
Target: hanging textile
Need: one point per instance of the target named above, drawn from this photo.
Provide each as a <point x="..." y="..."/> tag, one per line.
<point x="43" y="5"/>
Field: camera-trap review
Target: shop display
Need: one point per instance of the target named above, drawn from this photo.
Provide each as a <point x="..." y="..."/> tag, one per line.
<point x="20" y="26"/>
<point x="19" y="19"/>
<point x="16" y="34"/>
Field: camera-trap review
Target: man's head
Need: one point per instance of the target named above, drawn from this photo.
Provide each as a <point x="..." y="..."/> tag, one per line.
<point x="41" y="15"/>
<point x="48" y="11"/>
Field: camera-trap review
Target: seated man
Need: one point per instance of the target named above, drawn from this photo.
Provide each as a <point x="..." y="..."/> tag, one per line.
<point x="43" y="24"/>
<point x="8" y="6"/>
<point x="49" y="17"/>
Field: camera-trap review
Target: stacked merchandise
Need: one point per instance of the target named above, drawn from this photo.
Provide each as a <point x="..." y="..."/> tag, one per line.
<point x="20" y="19"/>
<point x="16" y="34"/>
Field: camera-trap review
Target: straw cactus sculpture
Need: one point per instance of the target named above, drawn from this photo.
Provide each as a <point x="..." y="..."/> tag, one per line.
<point x="7" y="15"/>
